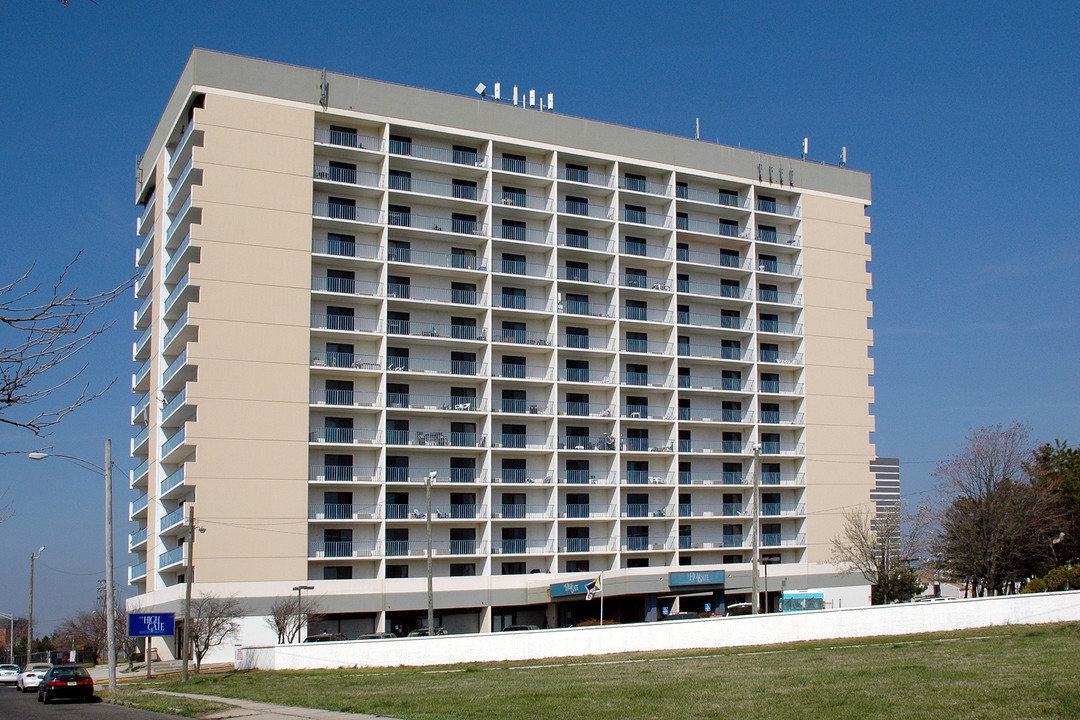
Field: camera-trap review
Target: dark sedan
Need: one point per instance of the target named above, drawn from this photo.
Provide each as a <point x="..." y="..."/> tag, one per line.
<point x="66" y="681"/>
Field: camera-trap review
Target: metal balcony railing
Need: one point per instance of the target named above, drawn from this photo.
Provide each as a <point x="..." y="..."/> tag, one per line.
<point x="435" y="330"/>
<point x="648" y="510"/>
<point x="348" y="139"/>
<point x="349" y="176"/>
<point x="642" y="249"/>
<point x="400" y="291"/>
<point x="342" y="211"/>
<point x="341" y="473"/>
<point x="574" y="341"/>
<point x="586" y="242"/>
<point x="698" y="477"/>
<point x="346" y="248"/>
<point x="345" y="323"/>
<point x="587" y="409"/>
<point x="647" y="477"/>
<point x="522" y="337"/>
<point x="523" y="167"/>
<point x="590" y="177"/>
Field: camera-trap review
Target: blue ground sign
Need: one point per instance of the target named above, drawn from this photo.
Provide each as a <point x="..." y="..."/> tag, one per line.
<point x="151" y="624"/>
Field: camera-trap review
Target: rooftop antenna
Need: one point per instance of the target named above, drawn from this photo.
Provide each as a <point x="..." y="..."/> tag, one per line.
<point x="497" y="95"/>
<point x="532" y="98"/>
<point x="697" y="128"/>
<point x="551" y="100"/>
<point x="324" y="91"/>
<point x="843" y="156"/>
<point x="805" y="147"/>
<point x="481" y="90"/>
<point x="515" y="95"/>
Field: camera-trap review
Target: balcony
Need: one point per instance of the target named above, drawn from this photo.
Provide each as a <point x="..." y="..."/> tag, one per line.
<point x="718" y="228"/>
<point x="780" y="357"/>
<point x="717" y="290"/>
<point x="640" y="249"/>
<point x="697" y="477"/>
<point x="586" y="242"/>
<point x="782" y="510"/>
<point x="779" y="238"/>
<point x="645" y="314"/>
<point x="775" y="478"/>
<point x="604" y="442"/>
<point x="457" y="261"/>
<point x="520" y="302"/>
<point x="711" y="382"/>
<point x="346" y="360"/>
<point x="645" y="282"/>
<point x="776" y="417"/>
<point x="342" y="474"/>
<point x="584" y="275"/>
<point x="346" y="248"/>
<point x="348" y="213"/>
<point x="344" y="398"/>
<point x="646" y="477"/>
<point x="522" y="337"/>
<point x="725" y="198"/>
<point x="182" y="330"/>
<point x="171" y="520"/>
<point x="141" y="471"/>
<point x="173" y="446"/>
<point x="577" y="307"/>
<point x="524" y="407"/>
<point x="711" y="542"/>
<point x="137" y="507"/>
<point x="782" y="448"/>
<point x="323" y="511"/>
<point x="421" y="438"/>
<point x="171" y="482"/>
<point x="136" y="571"/>
<point x="522" y="441"/>
<point x="348" y="176"/>
<point x="170" y="559"/>
<point x="344" y="436"/>
<point x="140" y="349"/>
<point x="585" y="375"/>
<point x="522" y="547"/>
<point x="723" y="322"/>
<point x="524" y="200"/>
<point x="647" y="412"/>
<point x="726" y="447"/>
<point x="769" y="205"/>
<point x="181" y="257"/>
<point x="396" y="291"/>
<point x="469" y="368"/>
<point x="345" y="286"/>
<point x="646" y="347"/>
<point x="136" y="538"/>
<point x="528" y="269"/>
<point x="587" y="409"/>
<point x="723" y="260"/>
<point x="436" y="330"/>
<point x="648" y="510"/>
<point x="779" y="327"/>
<point x="641" y="185"/>
<point x="644" y="444"/>
<point x="451" y="403"/>
<point x="327" y="549"/>
<point x="779" y="268"/>
<point x="587" y="477"/>
<point x="781" y="387"/>
<point x="171" y="414"/>
<point x="438" y="154"/>
<point x="523" y="167"/>
<point x="646" y="544"/>
<point x="782" y="540"/>
<point x="587" y="177"/>
<point x="644" y="217"/>
<point x="586" y="209"/>
<point x="345" y="323"/>
<point x="778" y="296"/>
<point x="522" y="234"/>
<point x="586" y="545"/>
<point x="580" y="511"/>
<point x="645" y="379"/>
<point x="438" y="189"/>
<point x="436" y="224"/>
<point x="140" y="378"/>
<point x="587" y="342"/>
<point x="716" y="415"/>
<point x="454" y="476"/>
<point x="514" y="371"/>
<point x="522" y="477"/>
<point x="348" y="139"/>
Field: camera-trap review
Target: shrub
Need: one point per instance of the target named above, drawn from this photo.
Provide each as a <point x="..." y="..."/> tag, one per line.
<point x="1034" y="585"/>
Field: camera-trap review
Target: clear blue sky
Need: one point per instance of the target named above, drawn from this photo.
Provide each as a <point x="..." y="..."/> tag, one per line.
<point x="965" y="114"/>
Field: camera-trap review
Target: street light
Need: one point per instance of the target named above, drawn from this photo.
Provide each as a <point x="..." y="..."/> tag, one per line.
<point x="189" y="570"/>
<point x="300" y="608"/>
<point x="110" y="611"/>
<point x="30" y="619"/>
<point x="430" y="588"/>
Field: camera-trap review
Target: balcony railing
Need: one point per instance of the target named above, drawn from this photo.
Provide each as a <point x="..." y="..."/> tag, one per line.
<point x="438" y="224"/>
<point x="435" y="438"/>
<point x="136" y="571"/>
<point x="698" y="477"/>
<point x="712" y="227"/>
<point x="435" y="294"/>
<point x="645" y="412"/>
<point x="650" y="347"/>
<point x="436" y="259"/>
<point x="782" y="540"/>
<point x="440" y="189"/>
<point x="781" y="448"/>
<point x="585" y="510"/>
<point x="579" y="307"/>
<point x="777" y="417"/>
<point x="522" y="441"/>
<point x="777" y="208"/>
<point x="523" y="167"/>
<point x="646" y="544"/>
<point x="586" y="545"/>
<point x="726" y="322"/>
<point x="586" y="375"/>
<point x="344" y="548"/>
<point x="604" y="442"/>
<point x="587" y="342"/>
<point x="346" y="360"/>
<point x="701" y="257"/>
<point x="585" y="209"/>
<point x="775" y="478"/>
<point x="341" y="474"/>
<point x="645" y="313"/>
<point x="522" y="337"/>
<point x="640" y="249"/>
<point x="649" y="282"/>
<point x="523" y="234"/>
<point x="439" y="366"/>
<point x="644" y="217"/>
<point x="586" y="409"/>
<point x="339" y="511"/>
<point x="734" y="292"/>
<point x="588" y="477"/>
<point x="174" y="518"/>
<point x="520" y="302"/>
<point x="439" y="154"/>
<point x="346" y="248"/>
<point x="344" y="398"/>
<point x="519" y="477"/>
<point x="781" y="387"/>
<point x="586" y="242"/>
<point x="524" y="200"/>
<point x="442" y="475"/>
<point x="714" y="197"/>
<point x="519" y="267"/>
<point x="435" y="330"/>
<point x="514" y="371"/>
<point x="417" y="401"/>
<point x="173" y="443"/>
<point x="586" y="276"/>
<point x="645" y="186"/>
<point x="137" y="537"/>
<point x="779" y="326"/>
<point x="779" y="296"/>
<point x="590" y="177"/>
<point x="172" y="480"/>
<point x="345" y="323"/>
<point x="650" y="510"/>
<point x="780" y="238"/>
<point x="647" y="477"/>
<point x="514" y="546"/>
<point x="172" y="557"/>
<point x="780" y="268"/>
<point x="782" y="357"/>
<point x="523" y="407"/>
<point x="345" y="286"/>
<point x="711" y="542"/>
<point x="783" y="510"/>
<point x="639" y="444"/>
<point x="349" y="176"/>
<point x="344" y="436"/>
<point x="346" y="139"/>
<point x="715" y="414"/>
<point x="648" y="379"/>
<point x="730" y="447"/>
<point x="341" y="211"/>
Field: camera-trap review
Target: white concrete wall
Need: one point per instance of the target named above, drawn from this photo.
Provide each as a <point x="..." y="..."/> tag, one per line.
<point x="676" y="635"/>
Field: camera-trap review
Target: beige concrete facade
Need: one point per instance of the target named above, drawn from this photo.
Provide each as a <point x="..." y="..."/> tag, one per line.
<point x="598" y="352"/>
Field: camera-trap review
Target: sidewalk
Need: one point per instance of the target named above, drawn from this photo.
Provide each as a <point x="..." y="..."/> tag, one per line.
<point x="267" y="711"/>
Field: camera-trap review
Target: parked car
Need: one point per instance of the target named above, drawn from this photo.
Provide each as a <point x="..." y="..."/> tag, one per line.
<point x="422" y="632"/>
<point x="325" y="637"/>
<point x="740" y="609"/>
<point x="516" y="628"/>
<point x="376" y="636"/>
<point x="30" y="677"/>
<point x="681" y="616"/>
<point x="9" y="674"/>
<point x="66" y="681"/>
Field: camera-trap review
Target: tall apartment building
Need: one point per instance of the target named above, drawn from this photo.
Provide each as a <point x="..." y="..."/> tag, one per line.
<point x="606" y="349"/>
<point x="886" y="491"/>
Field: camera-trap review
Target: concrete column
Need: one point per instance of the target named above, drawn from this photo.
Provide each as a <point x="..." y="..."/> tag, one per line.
<point x="485" y="619"/>
<point x="652" y="612"/>
<point x="380" y="622"/>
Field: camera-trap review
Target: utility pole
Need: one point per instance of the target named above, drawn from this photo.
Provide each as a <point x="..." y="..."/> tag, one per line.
<point x="300" y="609"/>
<point x="186" y="635"/>
<point x="30" y="617"/>
<point x="754" y="526"/>
<point x="110" y="611"/>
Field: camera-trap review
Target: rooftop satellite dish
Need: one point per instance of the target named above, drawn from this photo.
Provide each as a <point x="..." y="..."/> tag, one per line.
<point x="480" y="89"/>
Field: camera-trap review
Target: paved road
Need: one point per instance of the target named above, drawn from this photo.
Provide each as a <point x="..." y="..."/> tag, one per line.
<point x="15" y="705"/>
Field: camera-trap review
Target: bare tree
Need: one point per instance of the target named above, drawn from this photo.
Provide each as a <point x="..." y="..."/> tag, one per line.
<point x="213" y="618"/>
<point x="46" y="329"/>
<point x="998" y="526"/>
<point x="881" y="549"/>
<point x="284" y="618"/>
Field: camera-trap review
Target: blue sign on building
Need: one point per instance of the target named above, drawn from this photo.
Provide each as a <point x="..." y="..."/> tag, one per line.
<point x="151" y="624"/>
<point x="568" y="589"/>
<point x="696" y="579"/>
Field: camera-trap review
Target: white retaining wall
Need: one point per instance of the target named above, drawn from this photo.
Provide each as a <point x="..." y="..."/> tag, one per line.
<point x="671" y="635"/>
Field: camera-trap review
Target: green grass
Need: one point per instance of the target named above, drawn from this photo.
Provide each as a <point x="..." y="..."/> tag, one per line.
<point x="1012" y="672"/>
<point x="169" y="704"/>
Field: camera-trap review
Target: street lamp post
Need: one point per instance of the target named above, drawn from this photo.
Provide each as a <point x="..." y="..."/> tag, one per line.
<point x="30" y="618"/>
<point x="430" y="587"/>
<point x="300" y="608"/>
<point x="110" y="611"/>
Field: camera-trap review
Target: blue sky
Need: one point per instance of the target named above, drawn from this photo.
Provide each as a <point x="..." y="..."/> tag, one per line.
<point x="966" y="114"/>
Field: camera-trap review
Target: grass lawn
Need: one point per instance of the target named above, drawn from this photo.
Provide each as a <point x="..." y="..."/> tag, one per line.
<point x="1010" y="672"/>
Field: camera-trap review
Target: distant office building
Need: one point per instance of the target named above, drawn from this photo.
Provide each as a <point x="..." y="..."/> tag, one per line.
<point x="595" y="342"/>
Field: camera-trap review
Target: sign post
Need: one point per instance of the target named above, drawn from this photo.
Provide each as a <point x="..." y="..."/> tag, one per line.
<point x="148" y="625"/>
